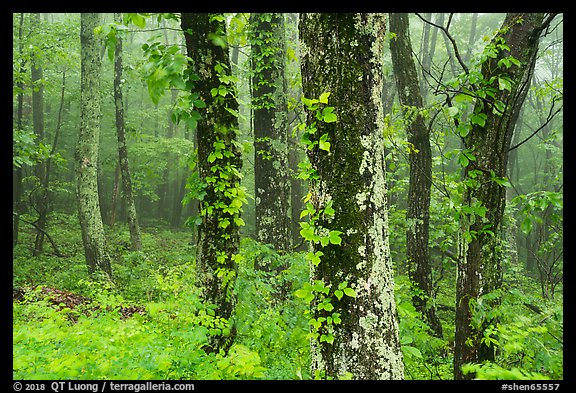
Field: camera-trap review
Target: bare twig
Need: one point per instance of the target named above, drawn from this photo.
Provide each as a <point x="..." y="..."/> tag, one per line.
<point x="449" y="36"/>
<point x="548" y="120"/>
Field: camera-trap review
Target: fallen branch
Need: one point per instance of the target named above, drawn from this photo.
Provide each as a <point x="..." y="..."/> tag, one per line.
<point x="35" y="225"/>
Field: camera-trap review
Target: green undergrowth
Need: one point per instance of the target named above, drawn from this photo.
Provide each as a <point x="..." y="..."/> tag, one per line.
<point x="150" y="322"/>
<point x="96" y="339"/>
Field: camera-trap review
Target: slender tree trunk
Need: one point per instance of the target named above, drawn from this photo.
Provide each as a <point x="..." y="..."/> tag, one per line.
<point x="87" y="149"/>
<point x="115" y="193"/>
<point x="219" y="163"/>
<point x="40" y="197"/>
<point x="425" y="54"/>
<point x="269" y="105"/>
<point x="480" y="252"/>
<point x="471" y="38"/>
<point x="448" y="45"/>
<point x="44" y="209"/>
<point x="295" y="152"/>
<point x="418" y="214"/>
<point x="17" y="177"/>
<point x="342" y="54"/>
<point x="135" y="235"/>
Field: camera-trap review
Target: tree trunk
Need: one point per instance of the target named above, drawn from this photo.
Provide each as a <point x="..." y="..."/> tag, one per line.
<point x="295" y="152"/>
<point x="480" y="251"/>
<point x="425" y="54"/>
<point x="269" y="105"/>
<point x="40" y="198"/>
<point x="418" y="214"/>
<point x="471" y="38"/>
<point x="17" y="177"/>
<point x="135" y="235"/>
<point x="219" y="163"/>
<point x="342" y="54"/>
<point x="86" y="156"/>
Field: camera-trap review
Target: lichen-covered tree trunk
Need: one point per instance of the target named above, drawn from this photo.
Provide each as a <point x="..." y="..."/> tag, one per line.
<point x="219" y="163"/>
<point x="86" y="156"/>
<point x="342" y="54"/>
<point x="135" y="236"/>
<point x="480" y="246"/>
<point x="269" y="106"/>
<point x="418" y="214"/>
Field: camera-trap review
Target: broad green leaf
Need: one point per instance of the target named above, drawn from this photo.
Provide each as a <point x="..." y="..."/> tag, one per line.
<point x="349" y="292"/>
<point x="329" y="338"/>
<point x="336" y="318"/>
<point x="463" y="161"/>
<point x="463" y="129"/>
<point x="330" y="118"/>
<point x="504" y="84"/>
<point x="324" y="97"/>
<point x="137" y="20"/>
<point x="338" y="293"/>
<point x="453" y="111"/>
<point x="335" y="237"/>
<point x="479" y="119"/>
<point x="323" y="143"/>
<point x="526" y="225"/>
<point x="412" y="351"/>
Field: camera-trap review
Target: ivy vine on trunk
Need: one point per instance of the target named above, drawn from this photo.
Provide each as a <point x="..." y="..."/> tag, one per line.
<point x="219" y="165"/>
<point x="353" y="310"/>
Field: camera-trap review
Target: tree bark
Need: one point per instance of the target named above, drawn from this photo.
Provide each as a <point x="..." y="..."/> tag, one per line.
<point x="135" y="235"/>
<point x="269" y="106"/>
<point x="40" y="198"/>
<point x="86" y="156"/>
<point x="218" y="234"/>
<point x="471" y="37"/>
<point x="420" y="158"/>
<point x="342" y="54"/>
<point x="17" y="205"/>
<point x="480" y="253"/>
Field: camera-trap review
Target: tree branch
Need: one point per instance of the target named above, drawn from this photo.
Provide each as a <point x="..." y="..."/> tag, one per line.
<point x="454" y="45"/>
<point x="35" y="225"/>
<point x="548" y="120"/>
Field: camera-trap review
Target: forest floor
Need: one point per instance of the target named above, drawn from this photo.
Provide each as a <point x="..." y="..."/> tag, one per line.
<point x="150" y="322"/>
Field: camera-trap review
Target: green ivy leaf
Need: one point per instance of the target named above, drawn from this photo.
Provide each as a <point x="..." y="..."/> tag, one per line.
<point x="314" y="257"/>
<point x="324" y="97"/>
<point x="339" y="294"/>
<point x="350" y="292"/>
<point x="329" y="338"/>
<point x="335" y="238"/>
<point x="336" y="318"/>
<point x="305" y="293"/>
<point x="330" y="118"/>
<point x="323" y="143"/>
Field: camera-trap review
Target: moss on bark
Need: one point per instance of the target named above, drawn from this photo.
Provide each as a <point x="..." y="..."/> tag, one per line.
<point x="87" y="149"/>
<point x="342" y="54"/>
